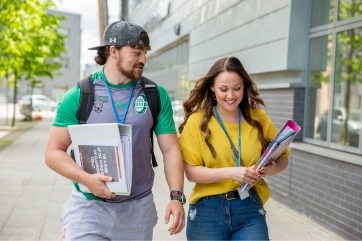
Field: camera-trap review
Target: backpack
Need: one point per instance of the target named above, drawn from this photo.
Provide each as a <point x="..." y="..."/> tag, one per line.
<point x="87" y="97"/>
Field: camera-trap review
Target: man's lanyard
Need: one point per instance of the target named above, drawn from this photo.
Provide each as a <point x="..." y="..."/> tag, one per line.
<point x="111" y="99"/>
<point x="236" y="153"/>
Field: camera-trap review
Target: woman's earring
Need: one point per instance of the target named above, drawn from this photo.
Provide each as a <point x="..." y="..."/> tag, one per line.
<point x="213" y="95"/>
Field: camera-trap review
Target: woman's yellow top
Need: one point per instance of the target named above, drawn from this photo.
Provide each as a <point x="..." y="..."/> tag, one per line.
<point x="196" y="153"/>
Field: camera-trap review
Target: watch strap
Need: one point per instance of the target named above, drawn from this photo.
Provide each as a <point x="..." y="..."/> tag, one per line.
<point x="179" y="197"/>
<point x="175" y="192"/>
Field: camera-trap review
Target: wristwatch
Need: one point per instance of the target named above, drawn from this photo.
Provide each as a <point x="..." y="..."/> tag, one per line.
<point x="178" y="195"/>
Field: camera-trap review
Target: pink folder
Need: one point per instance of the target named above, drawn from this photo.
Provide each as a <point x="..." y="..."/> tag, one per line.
<point x="276" y="147"/>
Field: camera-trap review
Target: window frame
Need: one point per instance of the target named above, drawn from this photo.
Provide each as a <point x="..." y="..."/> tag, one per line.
<point x="333" y="29"/>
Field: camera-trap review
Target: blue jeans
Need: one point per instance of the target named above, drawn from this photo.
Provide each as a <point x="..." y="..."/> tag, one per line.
<point x="215" y="218"/>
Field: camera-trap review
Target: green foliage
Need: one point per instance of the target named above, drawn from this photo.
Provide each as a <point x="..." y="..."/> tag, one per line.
<point x="29" y="38"/>
<point x="349" y="9"/>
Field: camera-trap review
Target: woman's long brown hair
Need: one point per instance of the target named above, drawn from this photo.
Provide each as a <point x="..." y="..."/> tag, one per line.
<point x="201" y="98"/>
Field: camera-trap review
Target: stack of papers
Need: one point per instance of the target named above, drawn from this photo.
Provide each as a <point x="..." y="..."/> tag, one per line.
<point x="105" y="148"/>
<point x="276" y="147"/>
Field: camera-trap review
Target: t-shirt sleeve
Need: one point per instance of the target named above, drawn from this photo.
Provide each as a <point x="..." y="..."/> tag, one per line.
<point x="166" y="123"/>
<point x="67" y="108"/>
<point x="190" y="143"/>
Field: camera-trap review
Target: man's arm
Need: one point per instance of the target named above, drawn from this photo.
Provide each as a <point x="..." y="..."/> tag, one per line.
<point x="56" y="158"/>
<point x="174" y="171"/>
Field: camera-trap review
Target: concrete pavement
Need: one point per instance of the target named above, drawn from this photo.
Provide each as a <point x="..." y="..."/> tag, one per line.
<point x="32" y="195"/>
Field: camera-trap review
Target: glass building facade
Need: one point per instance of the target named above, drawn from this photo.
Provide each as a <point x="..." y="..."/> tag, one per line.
<point x="334" y="90"/>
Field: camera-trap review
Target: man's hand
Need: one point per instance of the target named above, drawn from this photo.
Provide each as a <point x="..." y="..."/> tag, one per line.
<point x="97" y="186"/>
<point x="175" y="208"/>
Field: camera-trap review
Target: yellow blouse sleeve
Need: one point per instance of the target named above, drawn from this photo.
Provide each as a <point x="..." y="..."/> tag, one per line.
<point x="189" y="141"/>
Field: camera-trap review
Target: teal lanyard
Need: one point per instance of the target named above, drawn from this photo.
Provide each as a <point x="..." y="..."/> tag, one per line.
<point x="111" y="99"/>
<point x="235" y="153"/>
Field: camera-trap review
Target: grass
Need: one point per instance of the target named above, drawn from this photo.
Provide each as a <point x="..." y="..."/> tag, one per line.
<point x="12" y="134"/>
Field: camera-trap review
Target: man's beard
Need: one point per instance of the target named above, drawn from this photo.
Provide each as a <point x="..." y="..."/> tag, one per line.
<point x="128" y="73"/>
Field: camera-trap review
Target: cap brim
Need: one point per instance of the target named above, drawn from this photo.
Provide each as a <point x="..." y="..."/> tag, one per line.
<point x="96" y="48"/>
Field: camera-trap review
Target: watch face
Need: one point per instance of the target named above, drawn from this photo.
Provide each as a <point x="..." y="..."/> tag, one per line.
<point x="183" y="199"/>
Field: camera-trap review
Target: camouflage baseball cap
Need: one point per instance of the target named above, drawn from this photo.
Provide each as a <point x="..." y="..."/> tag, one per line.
<point x="121" y="33"/>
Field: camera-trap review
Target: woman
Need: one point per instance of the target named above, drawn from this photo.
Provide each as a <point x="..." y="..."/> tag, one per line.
<point x="222" y="137"/>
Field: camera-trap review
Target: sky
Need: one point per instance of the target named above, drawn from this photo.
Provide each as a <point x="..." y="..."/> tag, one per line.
<point x="88" y="9"/>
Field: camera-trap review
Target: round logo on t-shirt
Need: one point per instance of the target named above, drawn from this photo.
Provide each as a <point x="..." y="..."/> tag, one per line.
<point x="140" y="104"/>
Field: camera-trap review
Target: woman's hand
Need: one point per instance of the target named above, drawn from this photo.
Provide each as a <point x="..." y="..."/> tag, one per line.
<point x="245" y="174"/>
<point x="274" y="167"/>
<point x="268" y="169"/>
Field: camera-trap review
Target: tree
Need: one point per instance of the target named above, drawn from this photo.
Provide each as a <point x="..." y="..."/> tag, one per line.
<point x="30" y="41"/>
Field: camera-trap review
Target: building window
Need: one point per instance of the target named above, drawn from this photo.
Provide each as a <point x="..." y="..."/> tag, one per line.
<point x="334" y="89"/>
<point x="349" y="9"/>
<point x="66" y="62"/>
<point x="170" y="68"/>
<point x="322" y="12"/>
<point x="347" y="91"/>
<point x="319" y="87"/>
<point x="65" y="32"/>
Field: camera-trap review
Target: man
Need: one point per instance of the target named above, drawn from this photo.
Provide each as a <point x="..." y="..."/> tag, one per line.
<point x="103" y="215"/>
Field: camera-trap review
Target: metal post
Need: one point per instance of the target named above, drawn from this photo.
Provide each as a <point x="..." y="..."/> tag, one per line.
<point x="7" y="97"/>
<point x="103" y="16"/>
<point x="124" y="10"/>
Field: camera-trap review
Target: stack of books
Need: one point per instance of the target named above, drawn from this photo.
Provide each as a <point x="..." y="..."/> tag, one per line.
<point x="105" y="149"/>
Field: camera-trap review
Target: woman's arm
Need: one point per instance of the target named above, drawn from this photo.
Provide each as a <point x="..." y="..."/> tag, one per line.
<point x="201" y="174"/>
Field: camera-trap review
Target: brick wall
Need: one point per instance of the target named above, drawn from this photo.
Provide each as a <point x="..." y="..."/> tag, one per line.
<point x="279" y="105"/>
<point x="326" y="190"/>
<point x="284" y="104"/>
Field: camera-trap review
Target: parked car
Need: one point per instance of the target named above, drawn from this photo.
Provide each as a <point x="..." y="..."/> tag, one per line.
<point x="339" y="115"/>
<point x="177" y="107"/>
<point x="39" y="103"/>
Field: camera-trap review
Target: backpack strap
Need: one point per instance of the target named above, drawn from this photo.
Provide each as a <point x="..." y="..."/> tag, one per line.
<point x="86" y="99"/>
<point x="85" y="102"/>
<point x="153" y="98"/>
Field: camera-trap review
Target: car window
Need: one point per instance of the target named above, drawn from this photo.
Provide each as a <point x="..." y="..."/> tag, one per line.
<point x="41" y="99"/>
<point x="337" y="113"/>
